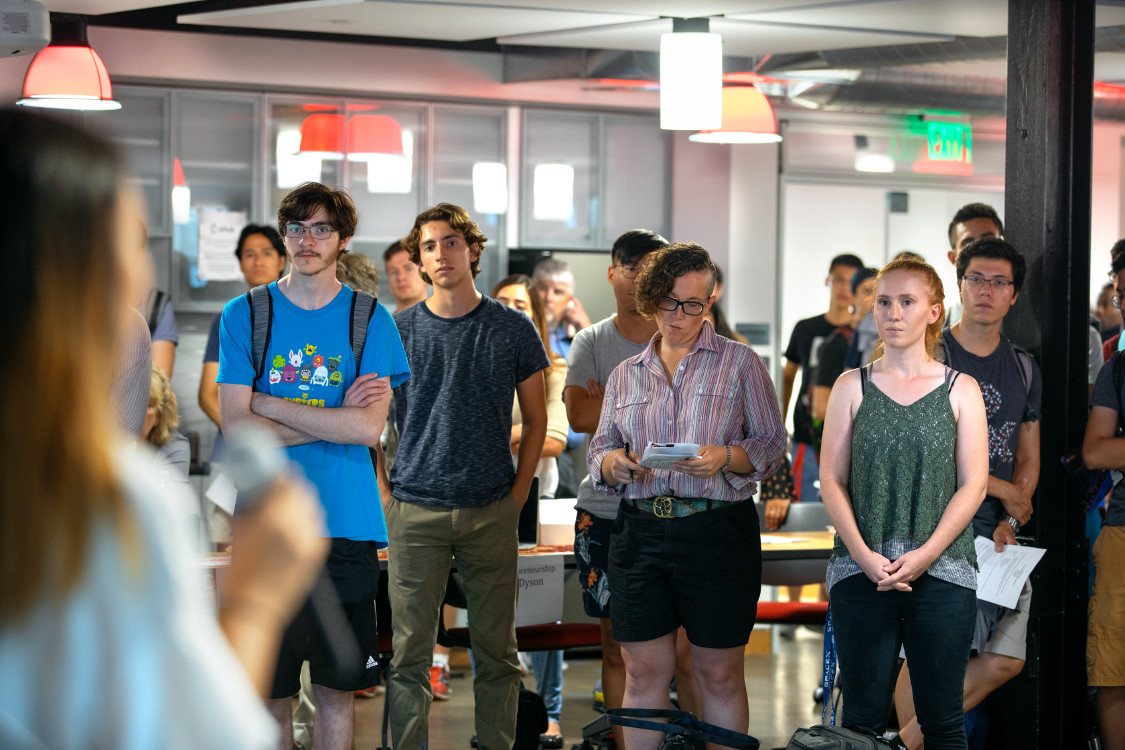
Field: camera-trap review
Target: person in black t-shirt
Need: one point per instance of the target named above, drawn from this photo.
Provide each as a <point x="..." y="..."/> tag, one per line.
<point x="804" y="342"/>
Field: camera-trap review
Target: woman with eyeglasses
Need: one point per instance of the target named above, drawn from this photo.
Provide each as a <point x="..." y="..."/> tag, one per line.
<point x="685" y="548"/>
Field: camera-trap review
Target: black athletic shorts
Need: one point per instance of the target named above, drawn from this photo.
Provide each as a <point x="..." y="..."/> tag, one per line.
<point x="702" y="571"/>
<point x="353" y="568"/>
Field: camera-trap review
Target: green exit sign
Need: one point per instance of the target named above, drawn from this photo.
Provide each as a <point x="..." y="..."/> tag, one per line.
<point x="950" y="141"/>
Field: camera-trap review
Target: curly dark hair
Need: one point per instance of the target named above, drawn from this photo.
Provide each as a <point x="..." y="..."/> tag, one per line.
<point x="458" y="219"/>
<point x="661" y="269"/>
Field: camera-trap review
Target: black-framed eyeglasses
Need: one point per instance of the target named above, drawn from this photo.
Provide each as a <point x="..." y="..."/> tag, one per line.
<point x="318" y="231"/>
<point x="690" y="307"/>
<point x="981" y="282"/>
<point x="630" y="270"/>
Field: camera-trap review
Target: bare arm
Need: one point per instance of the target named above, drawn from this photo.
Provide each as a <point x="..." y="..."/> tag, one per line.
<point x="209" y="392"/>
<point x="1016" y="494"/>
<point x="164" y="356"/>
<point x="972" y="480"/>
<point x="552" y="447"/>
<point x="234" y="411"/>
<point x="345" y="425"/>
<point x="788" y="376"/>
<point x="583" y="410"/>
<point x="1101" y="448"/>
<point x="533" y="407"/>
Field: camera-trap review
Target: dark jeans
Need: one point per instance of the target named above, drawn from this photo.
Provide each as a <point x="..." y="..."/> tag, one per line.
<point x="935" y="623"/>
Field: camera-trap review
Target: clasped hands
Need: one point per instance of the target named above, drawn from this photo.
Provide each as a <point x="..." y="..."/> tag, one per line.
<point x="896" y="575"/>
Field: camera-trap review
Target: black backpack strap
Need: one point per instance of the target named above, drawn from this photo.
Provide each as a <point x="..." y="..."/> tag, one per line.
<point x="680" y="723"/>
<point x="363" y="306"/>
<point x="1023" y="358"/>
<point x="261" y="321"/>
<point x="1118" y="361"/>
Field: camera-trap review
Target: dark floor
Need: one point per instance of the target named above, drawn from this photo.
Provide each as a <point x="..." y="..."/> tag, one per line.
<point x="780" y="688"/>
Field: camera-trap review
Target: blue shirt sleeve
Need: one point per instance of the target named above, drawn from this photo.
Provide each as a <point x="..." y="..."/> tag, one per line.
<point x="211" y="352"/>
<point x="383" y="352"/>
<point x="236" y="365"/>
<point x="166" y="329"/>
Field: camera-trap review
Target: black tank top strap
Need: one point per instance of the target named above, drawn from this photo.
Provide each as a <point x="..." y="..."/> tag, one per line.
<point x="951" y="376"/>
<point x="864" y="376"/>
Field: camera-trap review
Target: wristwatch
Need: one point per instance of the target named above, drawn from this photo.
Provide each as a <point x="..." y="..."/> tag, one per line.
<point x="1014" y="524"/>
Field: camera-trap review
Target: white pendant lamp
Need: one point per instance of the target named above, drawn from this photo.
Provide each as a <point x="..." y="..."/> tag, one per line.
<point x="691" y="76"/>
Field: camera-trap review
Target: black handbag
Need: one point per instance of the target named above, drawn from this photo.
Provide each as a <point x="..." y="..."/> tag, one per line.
<point x="683" y="730"/>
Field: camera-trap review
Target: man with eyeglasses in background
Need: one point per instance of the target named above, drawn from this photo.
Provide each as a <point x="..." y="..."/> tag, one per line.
<point x="990" y="274"/>
<point x="801" y="354"/>
<point x="594" y="354"/>
<point x="310" y="391"/>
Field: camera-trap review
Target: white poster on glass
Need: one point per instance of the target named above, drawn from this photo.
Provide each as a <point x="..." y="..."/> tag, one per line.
<point x="218" y="235"/>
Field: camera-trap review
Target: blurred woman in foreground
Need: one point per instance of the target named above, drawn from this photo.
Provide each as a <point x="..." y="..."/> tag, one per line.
<point x="105" y="638"/>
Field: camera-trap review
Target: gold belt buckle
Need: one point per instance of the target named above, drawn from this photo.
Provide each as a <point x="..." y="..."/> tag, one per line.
<point x="662" y="506"/>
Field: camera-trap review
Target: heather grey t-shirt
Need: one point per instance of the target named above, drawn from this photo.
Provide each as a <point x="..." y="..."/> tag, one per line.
<point x="595" y="353"/>
<point x="454" y="415"/>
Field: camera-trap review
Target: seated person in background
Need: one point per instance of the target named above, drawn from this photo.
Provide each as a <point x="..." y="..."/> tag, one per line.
<point x="515" y="292"/>
<point x="161" y="420"/>
<point x="105" y="640"/>
<point x="686" y="536"/>
<point x="990" y="274"/>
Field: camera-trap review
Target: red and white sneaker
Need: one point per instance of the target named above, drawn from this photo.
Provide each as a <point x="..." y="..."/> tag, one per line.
<point x="439" y="681"/>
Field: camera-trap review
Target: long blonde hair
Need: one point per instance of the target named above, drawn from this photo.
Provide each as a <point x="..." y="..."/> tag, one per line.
<point x="61" y="298"/>
<point x="937" y="297"/>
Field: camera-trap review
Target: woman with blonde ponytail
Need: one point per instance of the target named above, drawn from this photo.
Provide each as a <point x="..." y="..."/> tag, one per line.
<point x="105" y="640"/>
<point x="903" y="468"/>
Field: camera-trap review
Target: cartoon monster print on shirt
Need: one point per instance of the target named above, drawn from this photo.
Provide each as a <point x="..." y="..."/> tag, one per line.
<point x="308" y="370"/>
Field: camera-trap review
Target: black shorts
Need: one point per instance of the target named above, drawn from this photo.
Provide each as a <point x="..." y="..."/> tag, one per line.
<point x="353" y="568"/>
<point x="591" y="553"/>
<point x="703" y="571"/>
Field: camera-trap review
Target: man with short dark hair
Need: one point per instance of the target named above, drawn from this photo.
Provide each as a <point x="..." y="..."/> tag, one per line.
<point x="804" y="343"/>
<point x="455" y="491"/>
<point x="595" y="352"/>
<point x="990" y="274"/>
<point x="325" y="400"/>
<point x="972" y="222"/>
<point x="403" y="276"/>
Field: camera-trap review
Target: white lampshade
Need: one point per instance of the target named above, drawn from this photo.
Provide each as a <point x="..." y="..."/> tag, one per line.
<point x="691" y="81"/>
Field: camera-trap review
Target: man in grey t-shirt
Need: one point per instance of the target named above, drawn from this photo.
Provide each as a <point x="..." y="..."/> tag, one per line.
<point x="454" y="490"/>
<point x="594" y="354"/>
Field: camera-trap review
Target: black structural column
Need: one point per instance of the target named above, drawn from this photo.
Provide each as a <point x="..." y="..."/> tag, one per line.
<point x="1047" y="216"/>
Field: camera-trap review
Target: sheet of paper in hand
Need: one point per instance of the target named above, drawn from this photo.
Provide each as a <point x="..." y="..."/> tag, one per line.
<point x="665" y="455"/>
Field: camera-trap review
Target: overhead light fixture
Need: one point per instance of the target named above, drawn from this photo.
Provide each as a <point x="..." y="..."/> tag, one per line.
<point x="67" y="73"/>
<point x="181" y="194"/>
<point x="869" y="160"/>
<point x="373" y="135"/>
<point x="747" y="118"/>
<point x="691" y="76"/>
<point x="293" y="167"/>
<point x="323" y="135"/>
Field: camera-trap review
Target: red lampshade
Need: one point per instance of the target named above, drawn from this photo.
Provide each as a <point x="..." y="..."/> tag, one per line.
<point x="178" y="179"/>
<point x="747" y="118"/>
<point x="323" y="135"/>
<point x="368" y="135"/>
<point x="67" y="77"/>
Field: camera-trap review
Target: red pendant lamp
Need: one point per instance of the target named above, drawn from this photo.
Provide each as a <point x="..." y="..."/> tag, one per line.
<point x="747" y="118"/>
<point x="67" y="73"/>
<point x="372" y="135"/>
<point x="323" y="135"/>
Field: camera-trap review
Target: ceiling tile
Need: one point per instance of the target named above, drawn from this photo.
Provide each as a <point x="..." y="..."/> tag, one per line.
<point x="949" y="17"/>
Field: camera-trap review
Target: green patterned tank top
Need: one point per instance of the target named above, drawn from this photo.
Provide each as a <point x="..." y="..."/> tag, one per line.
<point x="903" y="475"/>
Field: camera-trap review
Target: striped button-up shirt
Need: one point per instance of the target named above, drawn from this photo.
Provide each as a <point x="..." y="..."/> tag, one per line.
<point x="721" y="395"/>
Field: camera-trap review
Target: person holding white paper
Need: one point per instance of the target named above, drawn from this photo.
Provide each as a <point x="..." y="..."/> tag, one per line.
<point x="685" y="548"/>
<point x="990" y="274"/>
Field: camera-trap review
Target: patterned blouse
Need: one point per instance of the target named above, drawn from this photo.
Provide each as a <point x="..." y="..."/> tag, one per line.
<point x="721" y="395"/>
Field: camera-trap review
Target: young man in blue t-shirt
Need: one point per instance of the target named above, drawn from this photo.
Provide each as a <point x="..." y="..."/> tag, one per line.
<point x="327" y="412"/>
<point x="455" y="491"/>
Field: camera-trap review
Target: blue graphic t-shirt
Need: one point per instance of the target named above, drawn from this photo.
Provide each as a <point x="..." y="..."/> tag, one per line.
<point x="309" y="361"/>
